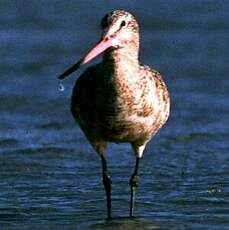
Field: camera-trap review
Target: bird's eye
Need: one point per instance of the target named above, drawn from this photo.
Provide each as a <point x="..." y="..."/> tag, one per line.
<point x="123" y="23"/>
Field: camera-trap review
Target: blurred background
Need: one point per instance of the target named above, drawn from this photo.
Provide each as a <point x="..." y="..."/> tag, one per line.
<point x="49" y="175"/>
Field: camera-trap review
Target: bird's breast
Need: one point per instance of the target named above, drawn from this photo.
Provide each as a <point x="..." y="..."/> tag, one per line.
<point x="120" y="108"/>
<point x="125" y="109"/>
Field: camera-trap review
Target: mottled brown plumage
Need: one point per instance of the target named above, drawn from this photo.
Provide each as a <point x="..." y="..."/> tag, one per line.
<point x="119" y="100"/>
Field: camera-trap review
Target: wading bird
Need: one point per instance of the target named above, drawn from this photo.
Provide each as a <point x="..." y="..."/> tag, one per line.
<point x="118" y="100"/>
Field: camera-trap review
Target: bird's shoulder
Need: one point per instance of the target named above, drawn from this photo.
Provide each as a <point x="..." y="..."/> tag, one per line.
<point x="88" y="76"/>
<point x="84" y="93"/>
<point x="154" y="78"/>
<point x="85" y="84"/>
<point x="84" y="90"/>
<point x="153" y="75"/>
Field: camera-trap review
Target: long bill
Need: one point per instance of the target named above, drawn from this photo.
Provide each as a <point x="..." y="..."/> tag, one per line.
<point x="99" y="48"/>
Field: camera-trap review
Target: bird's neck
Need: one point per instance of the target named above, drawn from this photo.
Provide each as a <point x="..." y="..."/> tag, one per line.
<point x="121" y="62"/>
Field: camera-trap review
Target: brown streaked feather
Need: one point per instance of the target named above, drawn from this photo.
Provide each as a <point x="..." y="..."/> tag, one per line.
<point x="103" y="108"/>
<point x="120" y="100"/>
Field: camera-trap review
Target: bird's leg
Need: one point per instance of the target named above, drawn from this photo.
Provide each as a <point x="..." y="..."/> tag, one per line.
<point x="133" y="186"/>
<point x="107" y="186"/>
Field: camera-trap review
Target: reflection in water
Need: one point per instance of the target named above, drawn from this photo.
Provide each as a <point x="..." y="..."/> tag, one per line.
<point x="126" y="223"/>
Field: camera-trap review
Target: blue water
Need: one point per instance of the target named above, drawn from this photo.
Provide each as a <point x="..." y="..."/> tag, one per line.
<point x="50" y="178"/>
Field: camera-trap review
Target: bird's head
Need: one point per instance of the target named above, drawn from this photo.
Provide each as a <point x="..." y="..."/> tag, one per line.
<point x="119" y="30"/>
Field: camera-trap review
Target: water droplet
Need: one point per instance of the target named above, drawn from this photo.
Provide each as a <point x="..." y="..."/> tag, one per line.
<point x="61" y="87"/>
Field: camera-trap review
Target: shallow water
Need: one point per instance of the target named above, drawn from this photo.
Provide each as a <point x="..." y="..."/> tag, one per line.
<point x="50" y="178"/>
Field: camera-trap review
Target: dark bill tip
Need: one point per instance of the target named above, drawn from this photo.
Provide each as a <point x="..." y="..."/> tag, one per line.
<point x="70" y="70"/>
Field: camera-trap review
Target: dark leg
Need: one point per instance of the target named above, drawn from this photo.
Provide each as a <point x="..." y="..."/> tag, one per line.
<point x="133" y="186"/>
<point x="107" y="186"/>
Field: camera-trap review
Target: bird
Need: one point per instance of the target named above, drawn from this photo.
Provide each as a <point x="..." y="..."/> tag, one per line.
<point x="119" y="99"/>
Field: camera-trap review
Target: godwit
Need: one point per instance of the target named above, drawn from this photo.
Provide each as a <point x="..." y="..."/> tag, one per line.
<point x="118" y="100"/>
